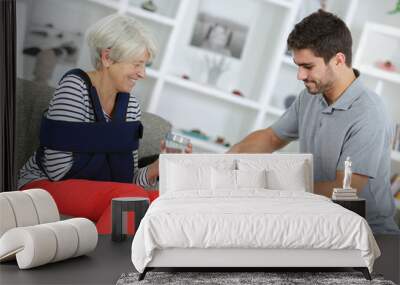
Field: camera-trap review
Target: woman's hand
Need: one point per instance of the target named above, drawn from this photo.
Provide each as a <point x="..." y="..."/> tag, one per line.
<point x="153" y="172"/>
<point x="153" y="169"/>
<point x="163" y="147"/>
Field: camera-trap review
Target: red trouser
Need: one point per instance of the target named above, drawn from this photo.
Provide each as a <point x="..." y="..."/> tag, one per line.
<point x="91" y="199"/>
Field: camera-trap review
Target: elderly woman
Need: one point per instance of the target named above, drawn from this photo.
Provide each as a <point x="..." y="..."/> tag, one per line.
<point x="90" y="133"/>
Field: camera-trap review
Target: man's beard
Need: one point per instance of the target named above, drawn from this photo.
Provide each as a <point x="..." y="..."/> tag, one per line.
<point x="314" y="88"/>
<point x="317" y="87"/>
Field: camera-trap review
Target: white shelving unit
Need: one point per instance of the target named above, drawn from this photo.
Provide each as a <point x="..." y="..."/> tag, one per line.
<point x="163" y="20"/>
<point x="193" y="104"/>
<point x="210" y="91"/>
<point x="107" y="3"/>
<point x="380" y="43"/>
<point x="263" y="74"/>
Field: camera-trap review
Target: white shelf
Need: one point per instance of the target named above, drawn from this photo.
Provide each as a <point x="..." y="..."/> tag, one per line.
<point x="378" y="43"/>
<point x="151" y="16"/>
<point x="212" y="92"/>
<point x="205" y="144"/>
<point x="284" y="3"/>
<point x="107" y="3"/>
<point x="382" y="29"/>
<point x="275" y="111"/>
<point x="396" y="155"/>
<point x="379" y="73"/>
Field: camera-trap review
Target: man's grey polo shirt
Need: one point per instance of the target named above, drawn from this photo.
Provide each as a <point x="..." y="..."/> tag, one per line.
<point x="356" y="125"/>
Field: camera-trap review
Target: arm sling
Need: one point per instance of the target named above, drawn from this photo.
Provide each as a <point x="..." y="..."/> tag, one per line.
<point x="102" y="150"/>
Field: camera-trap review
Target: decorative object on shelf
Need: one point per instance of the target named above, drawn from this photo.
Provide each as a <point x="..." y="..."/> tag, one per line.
<point x="219" y="35"/>
<point x="149" y="6"/>
<point x="396" y="8"/>
<point x="386" y="65"/>
<point x="50" y="46"/>
<point x="289" y="100"/>
<point x="196" y="133"/>
<point x="221" y="140"/>
<point x="65" y="50"/>
<point x="47" y="36"/>
<point x="237" y="92"/>
<point x="47" y="59"/>
<point x="215" y="65"/>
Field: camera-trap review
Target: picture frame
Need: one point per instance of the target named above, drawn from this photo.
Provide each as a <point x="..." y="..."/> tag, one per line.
<point x="219" y="35"/>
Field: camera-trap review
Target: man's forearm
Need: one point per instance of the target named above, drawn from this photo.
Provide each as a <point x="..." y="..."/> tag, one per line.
<point x="326" y="187"/>
<point x="262" y="141"/>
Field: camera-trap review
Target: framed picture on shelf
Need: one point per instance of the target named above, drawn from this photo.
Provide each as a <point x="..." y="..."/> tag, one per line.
<point x="49" y="46"/>
<point x="219" y="35"/>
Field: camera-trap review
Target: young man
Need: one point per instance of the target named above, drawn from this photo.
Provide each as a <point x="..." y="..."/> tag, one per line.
<point x="333" y="118"/>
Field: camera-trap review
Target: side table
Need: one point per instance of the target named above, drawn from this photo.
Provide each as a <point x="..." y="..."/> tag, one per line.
<point x="356" y="205"/>
<point x="120" y="207"/>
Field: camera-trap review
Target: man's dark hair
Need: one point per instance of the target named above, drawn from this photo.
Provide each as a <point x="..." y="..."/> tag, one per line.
<point x="324" y="33"/>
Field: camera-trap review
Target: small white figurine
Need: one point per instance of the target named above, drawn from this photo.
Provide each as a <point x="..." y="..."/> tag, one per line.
<point x="347" y="174"/>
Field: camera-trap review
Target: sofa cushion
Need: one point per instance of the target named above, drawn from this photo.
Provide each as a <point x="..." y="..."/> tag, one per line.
<point x="31" y="100"/>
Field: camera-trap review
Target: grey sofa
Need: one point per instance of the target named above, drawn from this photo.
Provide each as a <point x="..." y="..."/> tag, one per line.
<point x="32" y="99"/>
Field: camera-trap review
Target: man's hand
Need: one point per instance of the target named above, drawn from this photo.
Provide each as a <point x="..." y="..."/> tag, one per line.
<point x="189" y="148"/>
<point x="153" y="170"/>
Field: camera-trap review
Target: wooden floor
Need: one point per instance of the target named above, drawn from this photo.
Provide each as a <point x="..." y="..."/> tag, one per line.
<point x="389" y="262"/>
<point x="111" y="259"/>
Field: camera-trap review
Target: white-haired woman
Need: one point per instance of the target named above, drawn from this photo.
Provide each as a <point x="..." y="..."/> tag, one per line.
<point x="90" y="133"/>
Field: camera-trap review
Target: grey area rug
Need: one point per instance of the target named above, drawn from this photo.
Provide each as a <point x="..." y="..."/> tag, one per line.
<point x="273" y="278"/>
